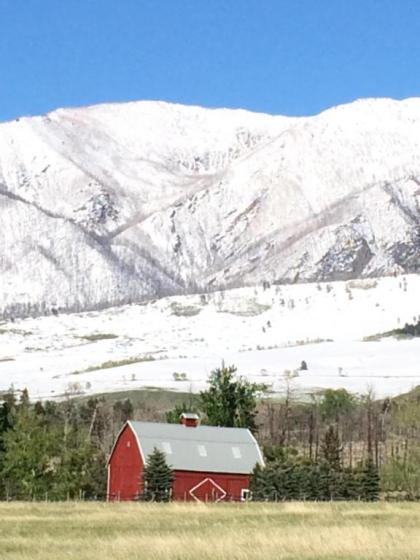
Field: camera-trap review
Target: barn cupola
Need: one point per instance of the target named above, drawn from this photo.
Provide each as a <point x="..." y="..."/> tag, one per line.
<point x="190" y="419"/>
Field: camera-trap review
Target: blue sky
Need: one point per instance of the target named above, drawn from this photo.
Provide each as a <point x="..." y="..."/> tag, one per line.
<point x="280" y="56"/>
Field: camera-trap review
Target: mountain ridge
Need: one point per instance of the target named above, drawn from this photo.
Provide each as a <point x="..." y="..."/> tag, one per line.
<point x="115" y="203"/>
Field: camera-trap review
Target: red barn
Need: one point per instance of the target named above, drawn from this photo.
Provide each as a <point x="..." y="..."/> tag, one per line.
<point x="209" y="463"/>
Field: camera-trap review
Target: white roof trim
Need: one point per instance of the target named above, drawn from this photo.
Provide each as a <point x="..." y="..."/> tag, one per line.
<point x="258" y="448"/>
<point x="138" y="441"/>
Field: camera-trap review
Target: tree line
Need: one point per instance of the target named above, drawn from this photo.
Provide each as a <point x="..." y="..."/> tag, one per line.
<point x="289" y="476"/>
<point x="50" y="451"/>
<point x="331" y="445"/>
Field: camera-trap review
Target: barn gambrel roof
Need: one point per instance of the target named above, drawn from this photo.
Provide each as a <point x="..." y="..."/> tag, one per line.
<point x="204" y="448"/>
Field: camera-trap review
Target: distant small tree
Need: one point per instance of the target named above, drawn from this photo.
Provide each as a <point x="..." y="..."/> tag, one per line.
<point x="157" y="478"/>
<point x="24" y="400"/>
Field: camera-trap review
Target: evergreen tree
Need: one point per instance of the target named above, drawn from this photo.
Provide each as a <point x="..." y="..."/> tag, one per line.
<point x="24" y="400"/>
<point x="257" y="483"/>
<point x="314" y="483"/>
<point x="275" y="481"/>
<point x="230" y="401"/>
<point x="47" y="456"/>
<point x="6" y="423"/>
<point x="80" y="471"/>
<point x="285" y="477"/>
<point x="305" y="482"/>
<point x="28" y="465"/>
<point x="123" y="411"/>
<point x="157" y="478"/>
<point x="369" y="482"/>
<point x="331" y="449"/>
<point x="331" y="468"/>
<point x="39" y="409"/>
<point x="350" y="484"/>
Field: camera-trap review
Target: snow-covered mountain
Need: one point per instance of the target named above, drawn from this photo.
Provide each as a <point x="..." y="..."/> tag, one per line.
<point x="115" y="203"/>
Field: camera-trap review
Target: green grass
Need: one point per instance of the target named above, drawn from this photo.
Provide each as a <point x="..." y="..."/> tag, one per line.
<point x="15" y="331"/>
<point x="113" y="364"/>
<point x="180" y="310"/>
<point x="98" y="336"/>
<point x="304" y="531"/>
<point x="252" y="309"/>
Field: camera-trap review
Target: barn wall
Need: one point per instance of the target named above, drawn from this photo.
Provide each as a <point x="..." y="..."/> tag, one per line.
<point x="125" y="475"/>
<point x="232" y="484"/>
<point x="126" y="467"/>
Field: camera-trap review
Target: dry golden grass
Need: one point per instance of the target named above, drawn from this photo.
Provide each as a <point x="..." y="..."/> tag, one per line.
<point x="78" y="531"/>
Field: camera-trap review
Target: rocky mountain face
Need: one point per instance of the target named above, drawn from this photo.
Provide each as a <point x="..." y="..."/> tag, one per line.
<point x="116" y="203"/>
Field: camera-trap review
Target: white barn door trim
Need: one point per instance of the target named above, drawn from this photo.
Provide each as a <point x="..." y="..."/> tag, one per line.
<point x="220" y="498"/>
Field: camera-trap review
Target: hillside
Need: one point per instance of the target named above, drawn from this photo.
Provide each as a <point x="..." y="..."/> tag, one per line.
<point x="174" y="342"/>
<point x="111" y="204"/>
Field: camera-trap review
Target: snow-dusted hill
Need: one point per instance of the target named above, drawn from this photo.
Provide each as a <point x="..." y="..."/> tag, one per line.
<point x="175" y="342"/>
<point x="116" y="203"/>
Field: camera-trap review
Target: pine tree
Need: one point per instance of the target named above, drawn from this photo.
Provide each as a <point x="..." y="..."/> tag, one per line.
<point x="257" y="483"/>
<point x="28" y="465"/>
<point x="331" y="468"/>
<point x="304" y="472"/>
<point x="331" y="449"/>
<point x="24" y="400"/>
<point x="123" y="411"/>
<point x="369" y="482"/>
<point x="350" y="484"/>
<point x="42" y="456"/>
<point x="315" y="487"/>
<point x="157" y="478"/>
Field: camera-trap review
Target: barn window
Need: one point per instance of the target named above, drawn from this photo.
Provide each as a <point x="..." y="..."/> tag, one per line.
<point x="166" y="446"/>
<point x="128" y="443"/>
<point x="202" y="451"/>
<point x="236" y="453"/>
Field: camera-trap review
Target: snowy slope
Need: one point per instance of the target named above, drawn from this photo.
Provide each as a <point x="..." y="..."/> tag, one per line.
<point x="117" y="203"/>
<point x="263" y="331"/>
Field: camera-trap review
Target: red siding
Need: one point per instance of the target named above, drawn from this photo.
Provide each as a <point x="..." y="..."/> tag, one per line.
<point x="125" y="472"/>
<point x="190" y="422"/>
<point x="231" y="484"/>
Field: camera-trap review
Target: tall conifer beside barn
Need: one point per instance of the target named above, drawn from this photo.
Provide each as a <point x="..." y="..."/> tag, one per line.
<point x="157" y="478"/>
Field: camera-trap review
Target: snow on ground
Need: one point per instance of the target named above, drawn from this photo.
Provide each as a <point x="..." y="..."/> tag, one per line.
<point x="264" y="332"/>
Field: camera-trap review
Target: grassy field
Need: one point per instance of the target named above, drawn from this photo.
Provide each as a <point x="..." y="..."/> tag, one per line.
<point x="35" y="531"/>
